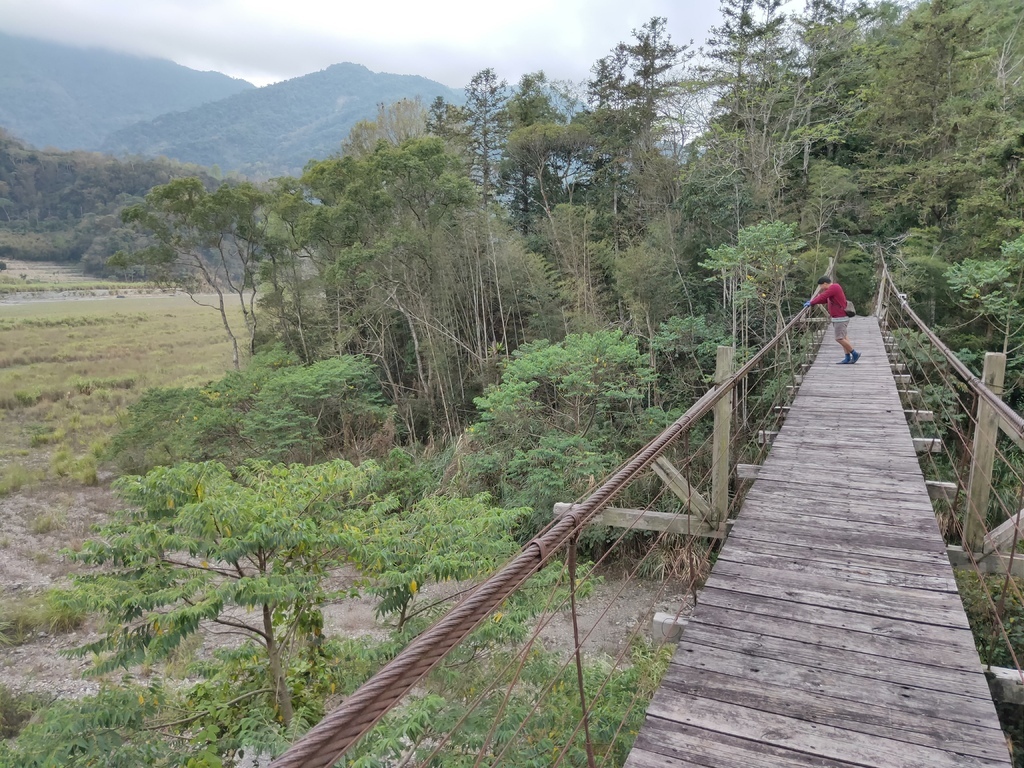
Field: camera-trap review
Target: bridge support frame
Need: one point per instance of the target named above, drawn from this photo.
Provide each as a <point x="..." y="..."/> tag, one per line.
<point x="979" y="484"/>
<point x="720" y="467"/>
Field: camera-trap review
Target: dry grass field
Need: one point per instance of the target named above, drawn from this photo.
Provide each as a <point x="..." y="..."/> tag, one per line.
<point x="69" y="368"/>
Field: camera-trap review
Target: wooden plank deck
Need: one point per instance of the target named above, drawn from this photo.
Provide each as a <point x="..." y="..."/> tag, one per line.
<point x="830" y="632"/>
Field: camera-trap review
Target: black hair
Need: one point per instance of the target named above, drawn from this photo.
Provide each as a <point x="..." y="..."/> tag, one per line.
<point x="823" y="280"/>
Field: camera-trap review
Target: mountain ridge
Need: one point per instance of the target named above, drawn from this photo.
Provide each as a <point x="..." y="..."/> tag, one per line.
<point x="66" y="97"/>
<point x="278" y="128"/>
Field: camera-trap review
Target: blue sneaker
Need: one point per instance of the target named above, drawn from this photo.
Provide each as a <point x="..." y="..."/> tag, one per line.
<point x="855" y="357"/>
<point x="845" y="361"/>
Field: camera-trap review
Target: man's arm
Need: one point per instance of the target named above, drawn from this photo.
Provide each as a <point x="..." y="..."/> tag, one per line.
<point x="824" y="295"/>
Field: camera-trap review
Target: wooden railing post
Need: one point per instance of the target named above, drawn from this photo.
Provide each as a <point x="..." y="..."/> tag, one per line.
<point x="979" y="484"/>
<point x="722" y="436"/>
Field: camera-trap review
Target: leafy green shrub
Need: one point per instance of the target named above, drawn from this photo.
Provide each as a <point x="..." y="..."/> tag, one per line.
<point x="275" y="409"/>
<point x="562" y="416"/>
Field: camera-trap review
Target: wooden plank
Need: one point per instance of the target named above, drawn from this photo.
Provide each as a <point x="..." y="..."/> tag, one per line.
<point x="747" y="471"/>
<point x="788" y="731"/>
<point x="928" y="444"/>
<point x="919" y="416"/>
<point x="648" y="520"/>
<point x="942" y="490"/>
<point x="904" y="644"/>
<point x="954" y="693"/>
<point x="851" y="571"/>
<point x="830" y="631"/>
<point x="906" y="631"/>
<point x="664" y="743"/>
<point x="927" y="607"/>
<point x="991" y="563"/>
<point x="889" y="718"/>
<point x="836" y="555"/>
<point x="678" y="484"/>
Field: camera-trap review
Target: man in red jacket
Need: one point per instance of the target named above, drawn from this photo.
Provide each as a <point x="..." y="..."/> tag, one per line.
<point x="831" y="295"/>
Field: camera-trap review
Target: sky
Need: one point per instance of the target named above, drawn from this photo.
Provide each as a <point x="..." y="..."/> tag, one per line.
<point x="265" y="41"/>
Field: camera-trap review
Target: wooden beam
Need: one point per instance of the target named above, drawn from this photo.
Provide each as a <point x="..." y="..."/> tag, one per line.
<point x="1001" y="538"/>
<point x="686" y="493"/>
<point x="667" y="628"/>
<point x="940" y="490"/>
<point x="919" y="416"/>
<point x="1005" y="685"/>
<point x="994" y="563"/>
<point x="928" y="444"/>
<point x="909" y="392"/>
<point x="648" y="520"/>
<point x="979" y="483"/>
<point x="897" y="367"/>
<point x="765" y="437"/>
<point x="902" y="378"/>
<point x="747" y="471"/>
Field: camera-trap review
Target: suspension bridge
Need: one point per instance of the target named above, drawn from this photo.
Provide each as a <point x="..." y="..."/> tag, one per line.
<point x="830" y="631"/>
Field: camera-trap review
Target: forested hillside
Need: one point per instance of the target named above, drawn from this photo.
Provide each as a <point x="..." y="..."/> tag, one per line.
<point x="276" y="129"/>
<point x="65" y="206"/>
<point x="63" y="97"/>
<point x="479" y="309"/>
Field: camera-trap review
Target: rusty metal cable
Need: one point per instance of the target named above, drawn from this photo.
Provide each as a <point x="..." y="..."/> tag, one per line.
<point x="326" y="742"/>
<point x="1011" y="419"/>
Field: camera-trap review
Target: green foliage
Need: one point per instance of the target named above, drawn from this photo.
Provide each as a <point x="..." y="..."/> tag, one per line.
<point x="534" y="723"/>
<point x="756" y="273"/>
<point x="428" y="543"/>
<point x="563" y="415"/>
<point x="106" y="729"/>
<point x="994" y="291"/>
<point x="250" y="552"/>
<point x="995" y="614"/>
<point x="274" y="409"/>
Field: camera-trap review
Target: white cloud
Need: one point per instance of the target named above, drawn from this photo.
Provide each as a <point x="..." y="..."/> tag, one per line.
<point x="268" y="40"/>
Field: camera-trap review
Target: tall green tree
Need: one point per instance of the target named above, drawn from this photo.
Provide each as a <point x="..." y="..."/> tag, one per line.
<point x="208" y="243"/>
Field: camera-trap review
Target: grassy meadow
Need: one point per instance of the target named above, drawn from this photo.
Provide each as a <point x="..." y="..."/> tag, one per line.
<point x="69" y="368"/>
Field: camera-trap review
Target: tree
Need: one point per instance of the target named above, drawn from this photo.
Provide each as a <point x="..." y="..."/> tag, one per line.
<point x="395" y="124"/>
<point x="755" y="274"/>
<point x="994" y="292"/>
<point x="628" y="93"/>
<point x="198" y="544"/>
<point x="206" y="242"/>
<point x="486" y="128"/>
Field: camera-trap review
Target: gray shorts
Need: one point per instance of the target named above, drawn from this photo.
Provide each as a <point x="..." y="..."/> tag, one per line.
<point x="840" y="325"/>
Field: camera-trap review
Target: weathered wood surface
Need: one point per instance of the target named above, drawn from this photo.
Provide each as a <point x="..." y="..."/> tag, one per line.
<point x="830" y="632"/>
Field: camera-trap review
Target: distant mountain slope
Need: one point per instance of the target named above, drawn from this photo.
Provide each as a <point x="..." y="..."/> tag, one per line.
<point x="60" y="96"/>
<point x="276" y="129"/>
<point x="65" y="206"/>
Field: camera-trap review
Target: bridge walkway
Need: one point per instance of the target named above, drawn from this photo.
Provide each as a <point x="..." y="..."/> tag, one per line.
<point x="830" y="632"/>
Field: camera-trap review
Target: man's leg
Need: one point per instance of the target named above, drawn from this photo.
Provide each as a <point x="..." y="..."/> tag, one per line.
<point x="840" y="330"/>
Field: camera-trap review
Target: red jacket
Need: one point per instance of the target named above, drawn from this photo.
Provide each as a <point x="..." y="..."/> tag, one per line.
<point x="836" y="300"/>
